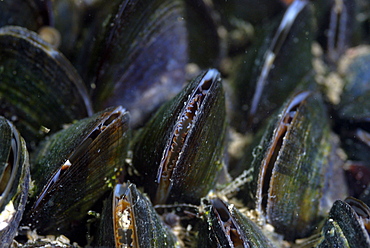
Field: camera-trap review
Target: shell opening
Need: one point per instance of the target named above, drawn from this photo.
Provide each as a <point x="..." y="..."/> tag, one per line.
<point x="186" y="120"/>
<point x="273" y="153"/>
<point x="227" y="223"/>
<point x="78" y="153"/>
<point x="123" y="217"/>
<point x="361" y="209"/>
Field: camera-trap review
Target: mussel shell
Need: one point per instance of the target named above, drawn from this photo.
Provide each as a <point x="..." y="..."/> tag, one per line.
<point x="273" y="66"/>
<point x="230" y="228"/>
<point x="38" y="86"/>
<point x="256" y="12"/>
<point x="200" y="123"/>
<point x="344" y="227"/>
<point x="356" y="70"/>
<point x="81" y="163"/>
<point x="95" y="19"/>
<point x="68" y="18"/>
<point x="204" y="43"/>
<point x="131" y="221"/>
<point x="140" y="63"/>
<point x="14" y="180"/>
<point x="287" y="173"/>
<point x="352" y="120"/>
<point x="342" y="25"/>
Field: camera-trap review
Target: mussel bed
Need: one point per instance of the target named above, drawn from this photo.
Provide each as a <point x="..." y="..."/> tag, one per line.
<point x="172" y="123"/>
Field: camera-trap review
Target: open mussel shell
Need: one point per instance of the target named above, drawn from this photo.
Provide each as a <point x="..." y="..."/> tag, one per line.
<point x="182" y="146"/>
<point x="286" y="170"/>
<point x="229" y="227"/>
<point x="39" y="89"/>
<point x="14" y="180"/>
<point x="140" y="61"/>
<point x="347" y="225"/>
<point x="75" y="167"/>
<point x="269" y="70"/>
<point x="131" y="221"/>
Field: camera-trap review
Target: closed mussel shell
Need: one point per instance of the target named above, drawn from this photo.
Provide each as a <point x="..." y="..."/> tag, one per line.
<point x="75" y="167"/>
<point x="230" y="228"/>
<point x="269" y="70"/>
<point x="204" y="41"/>
<point x="353" y="121"/>
<point x="39" y="88"/>
<point x="181" y="147"/>
<point x="347" y="225"/>
<point x="255" y="13"/>
<point x="140" y="62"/>
<point x="133" y="222"/>
<point x="355" y="68"/>
<point x="68" y="20"/>
<point x="286" y="178"/>
<point x="14" y="180"/>
<point x="90" y="20"/>
<point x="341" y="28"/>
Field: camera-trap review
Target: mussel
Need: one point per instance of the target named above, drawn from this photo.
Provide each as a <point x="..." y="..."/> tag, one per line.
<point x="131" y="221"/>
<point x="288" y="165"/>
<point x="230" y="228"/>
<point x="353" y="121"/>
<point x="261" y="83"/>
<point x="52" y="93"/>
<point x="127" y="151"/>
<point x="82" y="162"/>
<point x="187" y="135"/>
<point x="14" y="180"/>
<point x="138" y="58"/>
<point x="346" y="226"/>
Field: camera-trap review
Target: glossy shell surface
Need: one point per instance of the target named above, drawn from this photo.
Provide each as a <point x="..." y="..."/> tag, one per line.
<point x="195" y="123"/>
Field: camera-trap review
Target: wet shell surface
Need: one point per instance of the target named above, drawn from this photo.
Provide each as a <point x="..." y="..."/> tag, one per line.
<point x="161" y="123"/>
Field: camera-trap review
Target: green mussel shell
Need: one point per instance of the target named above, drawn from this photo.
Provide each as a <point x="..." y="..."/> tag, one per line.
<point x="287" y="168"/>
<point x="39" y="88"/>
<point x="344" y="227"/>
<point x="181" y="147"/>
<point x="75" y="167"/>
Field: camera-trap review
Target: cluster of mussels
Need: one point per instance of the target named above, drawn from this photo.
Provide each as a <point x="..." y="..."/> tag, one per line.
<point x="104" y="144"/>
